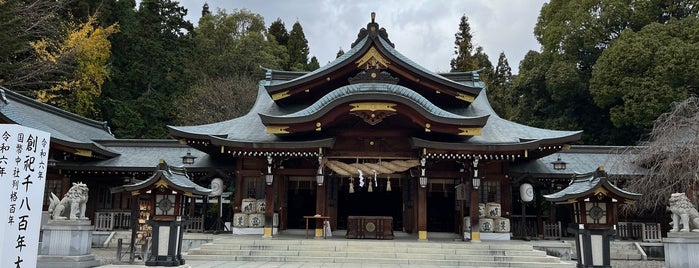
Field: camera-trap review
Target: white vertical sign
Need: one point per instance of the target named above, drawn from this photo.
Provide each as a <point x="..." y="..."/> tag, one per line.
<point x="23" y="161"/>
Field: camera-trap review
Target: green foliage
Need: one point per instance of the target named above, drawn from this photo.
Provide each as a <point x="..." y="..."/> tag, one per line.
<point x="339" y="53"/>
<point x="148" y="66"/>
<point x="313" y="64"/>
<point x="573" y="35"/>
<point x="463" y="48"/>
<point x="643" y="72"/>
<point x="499" y="82"/>
<point x="234" y="44"/>
<point x="13" y="39"/>
<point x="278" y="30"/>
<point x="297" y="48"/>
<point x="23" y="22"/>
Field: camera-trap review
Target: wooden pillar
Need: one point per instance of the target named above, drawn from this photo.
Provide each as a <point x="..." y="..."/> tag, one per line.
<point x="475" y="217"/>
<point x="238" y="198"/>
<point x="421" y="213"/>
<point x="282" y="202"/>
<point x="269" y="208"/>
<point x="320" y="208"/>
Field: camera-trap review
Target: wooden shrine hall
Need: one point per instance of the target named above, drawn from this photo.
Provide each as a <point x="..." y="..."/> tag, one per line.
<point x="371" y="137"/>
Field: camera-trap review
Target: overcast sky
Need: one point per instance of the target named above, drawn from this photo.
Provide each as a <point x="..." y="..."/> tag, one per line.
<point x="421" y="30"/>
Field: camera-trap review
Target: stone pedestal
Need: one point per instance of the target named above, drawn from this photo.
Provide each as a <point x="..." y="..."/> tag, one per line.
<point x="681" y="249"/>
<point x="66" y="243"/>
<point x="166" y="249"/>
<point x="592" y="246"/>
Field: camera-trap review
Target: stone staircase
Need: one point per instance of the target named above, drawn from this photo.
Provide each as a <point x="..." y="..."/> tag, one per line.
<point x="618" y="250"/>
<point x="624" y="251"/>
<point x="389" y="252"/>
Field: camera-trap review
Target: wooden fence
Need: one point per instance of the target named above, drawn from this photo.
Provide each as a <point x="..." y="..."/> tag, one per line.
<point x="646" y="232"/>
<point x="112" y="220"/>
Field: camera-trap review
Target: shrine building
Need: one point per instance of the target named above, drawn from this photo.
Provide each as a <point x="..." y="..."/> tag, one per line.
<point x="372" y="135"/>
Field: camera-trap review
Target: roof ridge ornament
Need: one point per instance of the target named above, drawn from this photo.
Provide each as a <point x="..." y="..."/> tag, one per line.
<point x="372" y="30"/>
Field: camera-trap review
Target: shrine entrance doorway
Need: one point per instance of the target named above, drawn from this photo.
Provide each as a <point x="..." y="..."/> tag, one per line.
<point x="378" y="202"/>
<point x="301" y="194"/>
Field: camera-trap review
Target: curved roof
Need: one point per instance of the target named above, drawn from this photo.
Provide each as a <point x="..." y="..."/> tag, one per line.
<point x="67" y="129"/>
<point x="374" y="38"/>
<point x="497" y="134"/>
<point x="500" y="133"/>
<point x="586" y="184"/>
<point x="176" y="178"/>
<point x="376" y="91"/>
<point x="248" y="131"/>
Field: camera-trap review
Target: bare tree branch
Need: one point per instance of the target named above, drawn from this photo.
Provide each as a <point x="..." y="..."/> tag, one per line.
<point x="671" y="155"/>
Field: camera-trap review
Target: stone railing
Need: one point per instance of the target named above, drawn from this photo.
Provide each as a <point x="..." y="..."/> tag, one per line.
<point x="112" y="220"/>
<point x="646" y="232"/>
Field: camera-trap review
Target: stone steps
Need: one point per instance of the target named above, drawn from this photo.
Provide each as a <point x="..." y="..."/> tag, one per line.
<point x="376" y="252"/>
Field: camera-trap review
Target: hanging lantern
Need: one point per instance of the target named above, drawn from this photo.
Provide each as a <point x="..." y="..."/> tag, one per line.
<point x="526" y="191"/>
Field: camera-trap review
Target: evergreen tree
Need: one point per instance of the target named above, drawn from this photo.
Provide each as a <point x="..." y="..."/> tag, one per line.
<point x="297" y="48"/>
<point x="278" y="30"/>
<point x="573" y="35"/>
<point x="463" y="48"/>
<point x="313" y="64"/>
<point x="148" y="69"/>
<point x="499" y="82"/>
<point x="339" y="53"/>
<point x="21" y="24"/>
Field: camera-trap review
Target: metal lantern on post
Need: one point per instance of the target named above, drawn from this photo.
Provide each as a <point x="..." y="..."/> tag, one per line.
<point x="188" y="159"/>
<point x="423" y="178"/>
<point x="559" y="164"/>
<point x="269" y="177"/>
<point x="595" y="202"/>
<point x="476" y="180"/>
<point x="163" y="196"/>
<point x="320" y="177"/>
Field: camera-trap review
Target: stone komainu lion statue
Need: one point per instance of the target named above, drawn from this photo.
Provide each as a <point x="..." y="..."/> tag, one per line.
<point x="72" y="206"/>
<point x="683" y="213"/>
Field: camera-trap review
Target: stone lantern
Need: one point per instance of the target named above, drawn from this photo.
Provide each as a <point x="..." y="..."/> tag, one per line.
<point x="595" y="203"/>
<point x="162" y="199"/>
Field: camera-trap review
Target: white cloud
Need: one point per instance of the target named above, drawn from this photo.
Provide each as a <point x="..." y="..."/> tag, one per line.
<point x="421" y="30"/>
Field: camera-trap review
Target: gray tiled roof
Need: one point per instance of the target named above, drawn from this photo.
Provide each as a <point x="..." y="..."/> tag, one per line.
<point x="325" y="67"/>
<point x="580" y="159"/>
<point x="249" y="129"/>
<point x="585" y="184"/>
<point x="436" y="76"/>
<point x="501" y="131"/>
<point x="377" y="90"/>
<point x="140" y="155"/>
<point x="176" y="177"/>
<point x="66" y="128"/>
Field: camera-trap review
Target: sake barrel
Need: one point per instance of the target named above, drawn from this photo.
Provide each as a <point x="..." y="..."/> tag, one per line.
<point x="501" y="225"/>
<point x="467" y="224"/>
<point x="486" y="225"/>
<point x="261" y="206"/>
<point x="481" y="210"/>
<point x="240" y="220"/>
<point x="492" y="210"/>
<point x="249" y="205"/>
<point x="256" y="220"/>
